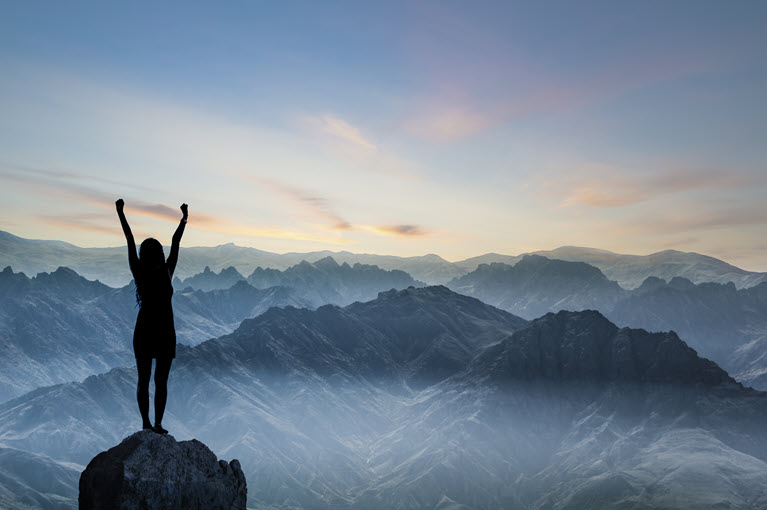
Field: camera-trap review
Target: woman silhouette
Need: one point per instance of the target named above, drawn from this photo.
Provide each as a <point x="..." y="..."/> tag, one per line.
<point x="155" y="334"/>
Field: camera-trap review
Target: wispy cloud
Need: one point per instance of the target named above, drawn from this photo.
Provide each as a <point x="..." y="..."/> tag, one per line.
<point x="396" y="230"/>
<point x="163" y="212"/>
<point x="682" y="223"/>
<point x="613" y="188"/>
<point x="53" y="185"/>
<point x="338" y="127"/>
<point x="320" y="206"/>
<point x="347" y="143"/>
<point x="316" y="204"/>
<point x="80" y="222"/>
<point x="68" y="175"/>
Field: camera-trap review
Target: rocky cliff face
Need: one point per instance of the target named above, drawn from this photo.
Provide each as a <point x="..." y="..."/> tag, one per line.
<point x="151" y="471"/>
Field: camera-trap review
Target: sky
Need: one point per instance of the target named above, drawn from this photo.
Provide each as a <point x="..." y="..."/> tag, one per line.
<point x="389" y="127"/>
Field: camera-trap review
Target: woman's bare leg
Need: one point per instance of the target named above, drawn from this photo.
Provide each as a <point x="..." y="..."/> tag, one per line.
<point x="144" y="366"/>
<point x="161" y="371"/>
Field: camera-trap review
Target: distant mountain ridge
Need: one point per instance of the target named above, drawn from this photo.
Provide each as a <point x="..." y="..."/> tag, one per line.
<point x="631" y="270"/>
<point x="209" y="280"/>
<point x="351" y="408"/>
<point x="109" y="264"/>
<point x="536" y="285"/>
<point x="59" y="326"/>
<point x="726" y="324"/>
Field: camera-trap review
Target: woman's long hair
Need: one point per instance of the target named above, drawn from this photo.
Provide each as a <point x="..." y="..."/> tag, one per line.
<point x="154" y="277"/>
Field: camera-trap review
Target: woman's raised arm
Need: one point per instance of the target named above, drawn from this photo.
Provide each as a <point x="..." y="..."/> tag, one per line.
<point x="174" y="247"/>
<point x="132" y="255"/>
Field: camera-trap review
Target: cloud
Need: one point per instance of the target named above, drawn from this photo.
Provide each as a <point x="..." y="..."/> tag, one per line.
<point x="611" y="188"/>
<point x="55" y="187"/>
<point x="316" y="204"/>
<point x="68" y="175"/>
<point x="77" y="222"/>
<point x="341" y="129"/>
<point x="406" y="230"/>
<point x="448" y="123"/>
<point x="468" y="92"/>
<point x="163" y="212"/>
<point x="320" y="206"/>
<point x="675" y="223"/>
<point x="184" y="144"/>
<point x="346" y="143"/>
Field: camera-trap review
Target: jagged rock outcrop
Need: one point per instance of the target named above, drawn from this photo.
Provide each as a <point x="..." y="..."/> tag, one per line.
<point x="151" y="471"/>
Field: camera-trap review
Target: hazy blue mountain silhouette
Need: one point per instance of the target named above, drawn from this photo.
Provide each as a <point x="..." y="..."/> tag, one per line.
<point x="325" y="281"/>
<point x="536" y="285"/>
<point x="59" y="326"/>
<point x="631" y="270"/>
<point x="108" y="264"/>
<point x="726" y="324"/>
<point x="209" y="280"/>
<point x="321" y="282"/>
<point x="425" y="397"/>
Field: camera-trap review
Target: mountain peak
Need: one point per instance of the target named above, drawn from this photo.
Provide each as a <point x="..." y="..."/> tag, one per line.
<point x="230" y="271"/>
<point x="326" y="263"/>
<point x="433" y="258"/>
<point x="651" y="284"/>
<point x="586" y="346"/>
<point x="61" y="275"/>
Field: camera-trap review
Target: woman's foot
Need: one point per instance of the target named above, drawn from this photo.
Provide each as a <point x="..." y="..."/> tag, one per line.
<point x="147" y="425"/>
<point x="159" y="429"/>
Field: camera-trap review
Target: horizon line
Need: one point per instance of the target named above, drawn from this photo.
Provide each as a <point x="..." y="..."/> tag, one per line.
<point x="535" y="252"/>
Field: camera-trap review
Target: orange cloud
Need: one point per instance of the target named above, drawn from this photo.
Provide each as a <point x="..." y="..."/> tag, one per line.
<point x="163" y="212"/>
<point x="57" y="188"/>
<point x="405" y="230"/>
<point x="77" y="223"/>
<point x="613" y="189"/>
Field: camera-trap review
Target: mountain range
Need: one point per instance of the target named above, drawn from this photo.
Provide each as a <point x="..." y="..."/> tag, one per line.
<point x="426" y="398"/>
<point x="726" y="324"/>
<point x="59" y="326"/>
<point x="631" y="270"/>
<point x="321" y="282"/>
<point x="109" y="264"/>
<point x="342" y="384"/>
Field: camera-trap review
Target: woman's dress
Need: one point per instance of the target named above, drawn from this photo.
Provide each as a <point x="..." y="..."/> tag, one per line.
<point x="155" y="333"/>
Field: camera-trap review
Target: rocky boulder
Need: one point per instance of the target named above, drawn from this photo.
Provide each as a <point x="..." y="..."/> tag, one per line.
<point x="151" y="471"/>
